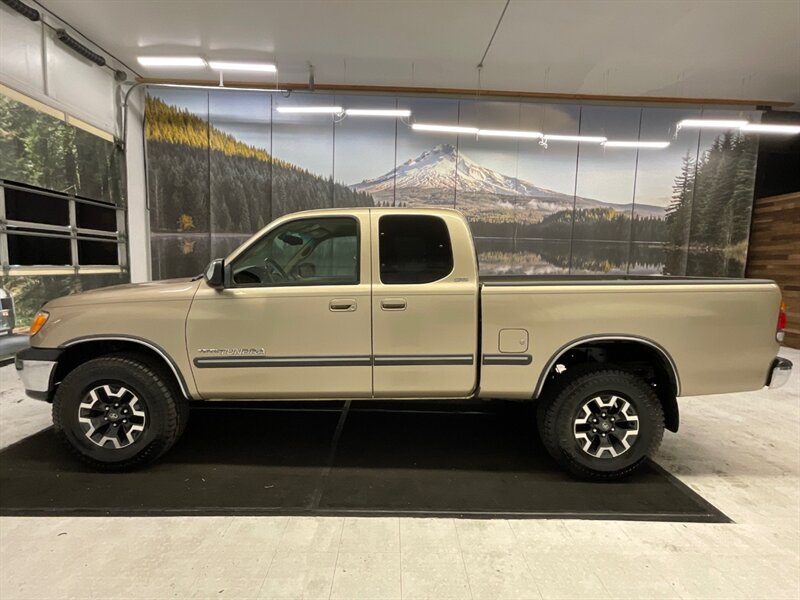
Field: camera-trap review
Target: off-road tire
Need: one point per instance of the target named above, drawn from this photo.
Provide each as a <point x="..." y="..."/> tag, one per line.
<point x="557" y="411"/>
<point x="167" y="411"/>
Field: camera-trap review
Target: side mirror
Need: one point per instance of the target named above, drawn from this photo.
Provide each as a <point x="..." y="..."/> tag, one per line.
<point x="215" y="273"/>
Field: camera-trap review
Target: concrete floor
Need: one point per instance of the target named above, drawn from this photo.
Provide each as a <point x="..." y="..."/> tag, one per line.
<point x="739" y="451"/>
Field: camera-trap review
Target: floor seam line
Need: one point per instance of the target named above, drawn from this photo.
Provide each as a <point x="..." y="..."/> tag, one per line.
<point x="337" y="434"/>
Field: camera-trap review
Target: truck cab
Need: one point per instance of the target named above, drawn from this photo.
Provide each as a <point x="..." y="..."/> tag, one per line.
<point x="379" y="303"/>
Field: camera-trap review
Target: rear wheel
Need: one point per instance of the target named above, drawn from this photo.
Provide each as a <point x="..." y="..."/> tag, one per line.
<point x="118" y="412"/>
<point x="601" y="424"/>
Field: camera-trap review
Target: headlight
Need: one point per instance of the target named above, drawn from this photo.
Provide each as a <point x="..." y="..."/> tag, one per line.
<point x="39" y="320"/>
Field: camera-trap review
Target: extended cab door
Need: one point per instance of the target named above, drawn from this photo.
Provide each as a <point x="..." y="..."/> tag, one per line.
<point x="294" y="317"/>
<point x="424" y="305"/>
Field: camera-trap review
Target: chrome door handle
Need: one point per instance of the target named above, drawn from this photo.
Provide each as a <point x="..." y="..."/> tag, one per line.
<point x="343" y="305"/>
<point x="393" y="304"/>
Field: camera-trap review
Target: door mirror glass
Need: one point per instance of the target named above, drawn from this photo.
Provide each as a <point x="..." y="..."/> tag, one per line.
<point x="215" y="273"/>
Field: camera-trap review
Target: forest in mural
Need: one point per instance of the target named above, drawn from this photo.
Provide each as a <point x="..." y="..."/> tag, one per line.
<point x="41" y="150"/>
<point x="38" y="149"/>
<point x="216" y="174"/>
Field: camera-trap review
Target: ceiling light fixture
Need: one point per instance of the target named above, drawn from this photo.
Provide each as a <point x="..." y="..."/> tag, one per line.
<point x="223" y="65"/>
<point x="443" y="128"/>
<point x="375" y="112"/>
<point x="575" y="138"/>
<point x="335" y="110"/>
<point x="634" y="144"/>
<point x="771" y="128"/>
<point x="510" y="133"/>
<point x="171" y="61"/>
<point x="713" y="123"/>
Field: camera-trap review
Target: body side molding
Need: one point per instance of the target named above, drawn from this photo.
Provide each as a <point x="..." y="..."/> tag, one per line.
<point x="507" y="359"/>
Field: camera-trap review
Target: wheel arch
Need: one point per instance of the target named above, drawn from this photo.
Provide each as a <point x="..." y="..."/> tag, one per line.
<point x="86" y="348"/>
<point x="608" y="347"/>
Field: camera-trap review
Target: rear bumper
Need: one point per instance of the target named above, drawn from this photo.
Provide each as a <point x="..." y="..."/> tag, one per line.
<point x="779" y="373"/>
<point x="35" y="367"/>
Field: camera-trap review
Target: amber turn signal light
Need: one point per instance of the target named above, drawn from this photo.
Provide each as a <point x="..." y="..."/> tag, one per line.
<point x="38" y="321"/>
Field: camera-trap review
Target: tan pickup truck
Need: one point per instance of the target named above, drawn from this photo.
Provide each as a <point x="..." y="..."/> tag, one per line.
<point x="387" y="303"/>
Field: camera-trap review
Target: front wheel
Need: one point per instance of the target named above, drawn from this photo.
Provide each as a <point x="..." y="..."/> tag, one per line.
<point x="602" y="424"/>
<point x="118" y="412"/>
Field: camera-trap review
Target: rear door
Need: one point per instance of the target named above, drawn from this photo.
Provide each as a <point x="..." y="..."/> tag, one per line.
<point x="424" y="305"/>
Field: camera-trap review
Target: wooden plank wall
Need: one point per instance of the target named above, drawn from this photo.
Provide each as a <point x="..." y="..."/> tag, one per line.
<point x="774" y="253"/>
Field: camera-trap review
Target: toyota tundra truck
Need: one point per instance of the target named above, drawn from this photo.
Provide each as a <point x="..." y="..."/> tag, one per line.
<point x="384" y="303"/>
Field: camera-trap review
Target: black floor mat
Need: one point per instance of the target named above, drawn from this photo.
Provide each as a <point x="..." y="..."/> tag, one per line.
<point x="316" y="459"/>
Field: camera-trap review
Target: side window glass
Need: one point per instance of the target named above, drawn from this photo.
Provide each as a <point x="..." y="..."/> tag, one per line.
<point x="413" y="249"/>
<point x="316" y="251"/>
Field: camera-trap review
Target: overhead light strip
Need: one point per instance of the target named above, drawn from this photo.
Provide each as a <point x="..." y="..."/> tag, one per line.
<point x="443" y="128"/>
<point x="310" y="109"/>
<point x="589" y="139"/>
<point x="510" y="133"/>
<point x="771" y="128"/>
<point x="712" y="123"/>
<point x="224" y="65"/>
<point x="634" y="144"/>
<point x="375" y="112"/>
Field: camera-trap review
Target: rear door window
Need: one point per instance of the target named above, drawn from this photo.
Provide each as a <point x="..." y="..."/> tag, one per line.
<point x="413" y="249"/>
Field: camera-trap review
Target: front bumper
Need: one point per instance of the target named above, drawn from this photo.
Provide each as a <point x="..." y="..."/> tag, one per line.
<point x="35" y="367"/>
<point x="779" y="373"/>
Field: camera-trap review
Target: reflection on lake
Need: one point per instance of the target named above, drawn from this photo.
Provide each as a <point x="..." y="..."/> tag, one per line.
<point x="180" y="255"/>
<point x="506" y="256"/>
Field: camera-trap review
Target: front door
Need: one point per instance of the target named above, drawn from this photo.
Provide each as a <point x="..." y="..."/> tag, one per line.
<point x="424" y="306"/>
<point x="294" y="317"/>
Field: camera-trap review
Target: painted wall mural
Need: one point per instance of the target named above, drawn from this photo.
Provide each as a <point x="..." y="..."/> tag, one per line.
<point x="222" y="164"/>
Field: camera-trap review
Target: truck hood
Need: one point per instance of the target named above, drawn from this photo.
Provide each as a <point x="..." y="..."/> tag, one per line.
<point x="153" y="291"/>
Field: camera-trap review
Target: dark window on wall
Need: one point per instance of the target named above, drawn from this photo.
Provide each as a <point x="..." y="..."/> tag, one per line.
<point x="29" y="250"/>
<point x="414" y="249"/>
<point x="91" y="216"/>
<point x="49" y="229"/>
<point x="97" y="253"/>
<point x="28" y="206"/>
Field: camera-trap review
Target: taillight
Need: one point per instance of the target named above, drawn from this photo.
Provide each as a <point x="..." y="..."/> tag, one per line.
<point x="781" y="322"/>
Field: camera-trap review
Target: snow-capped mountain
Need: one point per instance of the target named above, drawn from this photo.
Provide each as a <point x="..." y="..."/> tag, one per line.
<point x="432" y="176"/>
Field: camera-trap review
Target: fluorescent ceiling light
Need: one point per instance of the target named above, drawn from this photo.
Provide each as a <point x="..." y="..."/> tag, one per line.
<point x="769" y="128"/>
<point x="713" y="123"/>
<point x="533" y="135"/>
<point x="376" y="112"/>
<point x="223" y="65"/>
<point x="443" y="128"/>
<point x="310" y="109"/>
<point x="575" y="138"/>
<point x="634" y="144"/>
<point x="171" y="61"/>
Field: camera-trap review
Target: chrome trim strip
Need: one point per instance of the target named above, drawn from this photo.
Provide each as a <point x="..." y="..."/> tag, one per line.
<point x="507" y="359"/>
<point x="127" y="338"/>
<point x="282" y="361"/>
<point x="607" y="338"/>
<point x="35" y="374"/>
<point x="424" y="359"/>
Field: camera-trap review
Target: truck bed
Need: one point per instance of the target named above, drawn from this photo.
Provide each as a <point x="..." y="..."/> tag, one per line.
<point x="719" y="333"/>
